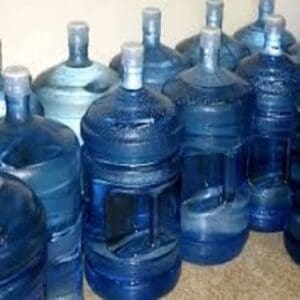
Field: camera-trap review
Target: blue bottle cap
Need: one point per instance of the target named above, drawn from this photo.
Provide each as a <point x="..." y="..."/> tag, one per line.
<point x="132" y="62"/>
<point x="152" y="20"/>
<point x="17" y="81"/>
<point x="78" y="32"/>
<point x="214" y="13"/>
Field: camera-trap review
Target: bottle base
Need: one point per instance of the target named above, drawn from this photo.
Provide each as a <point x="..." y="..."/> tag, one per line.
<point x="64" y="280"/>
<point x="292" y="246"/>
<point x="268" y="220"/>
<point x="151" y="289"/>
<point x="213" y="251"/>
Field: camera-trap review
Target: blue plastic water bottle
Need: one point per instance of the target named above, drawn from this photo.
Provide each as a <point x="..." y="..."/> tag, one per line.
<point x="161" y="62"/>
<point x="22" y="241"/>
<point x="292" y="231"/>
<point x="272" y="74"/>
<point x="231" y="51"/>
<point x="67" y="89"/>
<point x="46" y="156"/>
<point x="215" y="107"/>
<point x="253" y="35"/>
<point x="130" y="162"/>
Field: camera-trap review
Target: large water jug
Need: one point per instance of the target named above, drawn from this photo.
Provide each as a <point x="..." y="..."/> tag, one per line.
<point x="214" y="106"/>
<point x="67" y="89"/>
<point x="22" y="241"/>
<point x="253" y="35"/>
<point x="130" y="162"/>
<point x="231" y="51"/>
<point x="273" y="76"/>
<point x="46" y="156"/>
<point x="292" y="231"/>
<point x="161" y="62"/>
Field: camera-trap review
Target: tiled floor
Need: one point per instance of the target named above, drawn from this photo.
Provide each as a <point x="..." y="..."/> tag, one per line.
<point x="263" y="271"/>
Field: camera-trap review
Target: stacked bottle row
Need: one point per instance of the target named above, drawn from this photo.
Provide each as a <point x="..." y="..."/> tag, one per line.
<point x="180" y="158"/>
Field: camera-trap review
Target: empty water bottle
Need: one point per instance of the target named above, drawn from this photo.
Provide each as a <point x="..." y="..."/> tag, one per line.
<point x="292" y="231"/>
<point x="231" y="51"/>
<point x="253" y="35"/>
<point x="22" y="241"/>
<point x="46" y="156"/>
<point x="130" y="162"/>
<point x="35" y="105"/>
<point x="67" y="89"/>
<point x="160" y="62"/>
<point x="272" y="74"/>
<point x="215" y="107"/>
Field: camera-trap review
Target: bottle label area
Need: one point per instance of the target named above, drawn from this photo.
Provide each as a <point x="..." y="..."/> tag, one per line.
<point x="269" y="161"/>
<point x="133" y="224"/>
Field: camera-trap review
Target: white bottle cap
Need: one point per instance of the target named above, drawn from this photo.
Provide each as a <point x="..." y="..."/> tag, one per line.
<point x="17" y="81"/>
<point x="132" y="63"/>
<point x="152" y="20"/>
<point x="78" y="32"/>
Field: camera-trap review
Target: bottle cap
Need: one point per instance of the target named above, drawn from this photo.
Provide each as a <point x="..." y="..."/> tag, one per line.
<point x="78" y="32"/>
<point x="275" y="25"/>
<point x="214" y="12"/>
<point x="152" y="20"/>
<point x="17" y="81"/>
<point x="267" y="6"/>
<point x="132" y="55"/>
<point x="210" y="38"/>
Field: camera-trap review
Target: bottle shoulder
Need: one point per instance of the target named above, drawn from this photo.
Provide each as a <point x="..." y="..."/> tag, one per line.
<point x="253" y="36"/>
<point x="143" y="122"/>
<point x="38" y="132"/>
<point x="131" y="110"/>
<point x="160" y="63"/>
<point x="231" y="51"/>
<point x="202" y="88"/>
<point x="66" y="77"/>
<point x="268" y="68"/>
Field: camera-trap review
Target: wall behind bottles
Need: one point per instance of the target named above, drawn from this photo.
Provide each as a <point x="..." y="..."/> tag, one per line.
<point x="33" y="32"/>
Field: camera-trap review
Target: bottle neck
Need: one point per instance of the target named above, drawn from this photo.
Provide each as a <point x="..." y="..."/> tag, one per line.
<point x="78" y="55"/>
<point x="215" y="19"/>
<point x="132" y="79"/>
<point x="18" y="109"/>
<point x="210" y="59"/>
<point x="264" y="11"/>
<point x="273" y="45"/>
<point x="151" y="39"/>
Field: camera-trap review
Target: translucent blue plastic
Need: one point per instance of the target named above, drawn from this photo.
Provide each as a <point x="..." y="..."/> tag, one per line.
<point x="274" y="81"/>
<point x="36" y="107"/>
<point x="294" y="51"/>
<point x="214" y="106"/>
<point x="22" y="241"/>
<point x="46" y="155"/>
<point x="130" y="161"/>
<point x="253" y="37"/>
<point x="231" y="52"/>
<point x="67" y="89"/>
<point x="292" y="232"/>
<point x="160" y="62"/>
